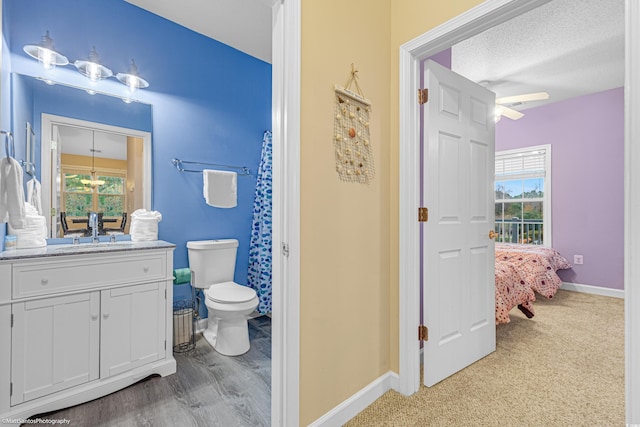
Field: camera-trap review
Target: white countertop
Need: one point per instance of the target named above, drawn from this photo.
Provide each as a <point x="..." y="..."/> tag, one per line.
<point x="83" y="248"/>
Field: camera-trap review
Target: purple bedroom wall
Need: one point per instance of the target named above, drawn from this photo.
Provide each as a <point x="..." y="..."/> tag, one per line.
<point x="587" y="145"/>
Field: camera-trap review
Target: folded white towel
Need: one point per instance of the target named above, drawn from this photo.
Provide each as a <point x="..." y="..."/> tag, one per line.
<point x="11" y="193"/>
<point x="144" y="225"/>
<point x="220" y="188"/>
<point x="34" y="233"/>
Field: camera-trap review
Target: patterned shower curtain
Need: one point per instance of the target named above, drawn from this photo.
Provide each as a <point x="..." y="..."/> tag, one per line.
<point x="259" y="277"/>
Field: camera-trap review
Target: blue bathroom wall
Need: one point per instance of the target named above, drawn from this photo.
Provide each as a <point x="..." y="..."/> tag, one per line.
<point x="211" y="103"/>
<point x="5" y="106"/>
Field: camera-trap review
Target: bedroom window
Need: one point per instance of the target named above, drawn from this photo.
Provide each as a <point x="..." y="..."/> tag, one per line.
<point x="523" y="195"/>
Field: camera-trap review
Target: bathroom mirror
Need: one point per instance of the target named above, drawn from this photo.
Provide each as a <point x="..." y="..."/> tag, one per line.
<point x="92" y="153"/>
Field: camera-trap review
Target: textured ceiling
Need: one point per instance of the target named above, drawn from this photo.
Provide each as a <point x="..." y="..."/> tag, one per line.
<point x="242" y="24"/>
<point x="566" y="47"/>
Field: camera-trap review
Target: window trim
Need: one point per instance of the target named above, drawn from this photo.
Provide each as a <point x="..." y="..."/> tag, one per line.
<point x="547" y="219"/>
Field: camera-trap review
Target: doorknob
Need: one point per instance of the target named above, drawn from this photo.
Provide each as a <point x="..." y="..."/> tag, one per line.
<point x="492" y="234"/>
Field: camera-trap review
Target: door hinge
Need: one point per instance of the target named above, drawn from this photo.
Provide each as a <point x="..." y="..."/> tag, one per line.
<point x="12" y="320"/>
<point x="285" y="249"/>
<point x="10" y="389"/>
<point x="423" y="214"/>
<point x="165" y="293"/>
<point x="423" y="96"/>
<point x="165" y="344"/>
<point x="423" y="333"/>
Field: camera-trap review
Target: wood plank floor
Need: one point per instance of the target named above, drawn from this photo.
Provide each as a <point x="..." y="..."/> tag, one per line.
<point x="208" y="390"/>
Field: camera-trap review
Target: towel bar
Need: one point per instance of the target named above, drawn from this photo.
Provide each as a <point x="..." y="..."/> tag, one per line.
<point x="178" y="164"/>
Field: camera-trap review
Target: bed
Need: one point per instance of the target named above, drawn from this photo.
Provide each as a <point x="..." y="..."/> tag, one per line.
<point x="521" y="271"/>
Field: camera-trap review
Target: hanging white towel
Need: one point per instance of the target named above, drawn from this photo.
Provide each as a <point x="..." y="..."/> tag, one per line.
<point x="11" y="193"/>
<point x="34" y="190"/>
<point x="220" y="188"/>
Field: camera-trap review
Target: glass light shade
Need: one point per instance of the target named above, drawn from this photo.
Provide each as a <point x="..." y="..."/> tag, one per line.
<point x="45" y="53"/>
<point x="92" y="182"/>
<point x="92" y="68"/>
<point x="132" y="79"/>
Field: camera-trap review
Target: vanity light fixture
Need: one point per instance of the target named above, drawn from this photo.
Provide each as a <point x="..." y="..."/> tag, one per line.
<point x="45" y="53"/>
<point x="132" y="79"/>
<point x="92" y="68"/>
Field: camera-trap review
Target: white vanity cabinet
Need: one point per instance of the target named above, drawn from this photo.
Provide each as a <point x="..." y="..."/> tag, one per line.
<point x="54" y="345"/>
<point x="75" y="326"/>
<point x="133" y="327"/>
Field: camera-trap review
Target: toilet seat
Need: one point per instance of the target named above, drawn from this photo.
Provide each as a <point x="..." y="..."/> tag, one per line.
<point x="230" y="293"/>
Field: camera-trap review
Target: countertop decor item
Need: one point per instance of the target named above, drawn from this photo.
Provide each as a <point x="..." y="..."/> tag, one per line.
<point x="351" y="139"/>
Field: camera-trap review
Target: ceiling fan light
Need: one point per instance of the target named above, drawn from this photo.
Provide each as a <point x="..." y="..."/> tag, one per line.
<point x="45" y="53"/>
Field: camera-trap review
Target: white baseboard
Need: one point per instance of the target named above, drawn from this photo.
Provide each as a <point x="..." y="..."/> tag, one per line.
<point x="359" y="401"/>
<point x="595" y="290"/>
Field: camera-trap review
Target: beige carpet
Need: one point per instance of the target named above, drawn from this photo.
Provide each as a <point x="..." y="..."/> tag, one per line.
<point x="564" y="367"/>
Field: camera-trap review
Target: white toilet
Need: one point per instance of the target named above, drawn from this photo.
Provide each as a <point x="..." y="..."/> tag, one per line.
<point x="212" y="264"/>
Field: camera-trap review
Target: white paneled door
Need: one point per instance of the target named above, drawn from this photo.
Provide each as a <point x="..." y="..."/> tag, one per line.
<point x="133" y="327"/>
<point x="458" y="255"/>
<point x="54" y="345"/>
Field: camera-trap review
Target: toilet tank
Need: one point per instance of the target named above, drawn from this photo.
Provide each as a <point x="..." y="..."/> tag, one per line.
<point x="212" y="261"/>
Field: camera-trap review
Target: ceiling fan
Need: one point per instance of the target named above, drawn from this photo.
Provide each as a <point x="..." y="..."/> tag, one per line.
<point x="504" y="104"/>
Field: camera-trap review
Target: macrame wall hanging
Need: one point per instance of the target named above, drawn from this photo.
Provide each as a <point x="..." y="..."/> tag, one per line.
<point x="354" y="156"/>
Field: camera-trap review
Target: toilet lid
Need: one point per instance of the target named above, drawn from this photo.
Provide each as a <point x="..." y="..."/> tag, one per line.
<point x="230" y="292"/>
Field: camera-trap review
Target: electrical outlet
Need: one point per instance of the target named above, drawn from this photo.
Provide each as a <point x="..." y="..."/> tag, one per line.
<point x="578" y="260"/>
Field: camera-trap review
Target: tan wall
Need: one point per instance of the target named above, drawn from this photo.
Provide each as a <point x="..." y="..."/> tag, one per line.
<point x="71" y="160"/>
<point x="349" y="232"/>
<point x="344" y="285"/>
<point x="135" y="172"/>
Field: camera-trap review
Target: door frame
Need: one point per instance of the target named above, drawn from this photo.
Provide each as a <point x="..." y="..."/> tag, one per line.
<point x="469" y="23"/>
<point x="285" y="338"/>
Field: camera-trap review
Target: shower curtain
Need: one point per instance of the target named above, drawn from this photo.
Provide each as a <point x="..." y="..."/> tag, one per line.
<point x="259" y="277"/>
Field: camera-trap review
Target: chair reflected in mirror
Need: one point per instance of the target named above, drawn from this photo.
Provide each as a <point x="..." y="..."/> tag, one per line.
<point x="66" y="232"/>
<point x="114" y="231"/>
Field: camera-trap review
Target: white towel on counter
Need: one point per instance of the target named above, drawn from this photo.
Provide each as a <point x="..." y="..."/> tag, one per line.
<point x="34" y="233"/>
<point x="144" y="225"/>
<point x="34" y="189"/>
<point x="220" y="188"/>
<point x="11" y="193"/>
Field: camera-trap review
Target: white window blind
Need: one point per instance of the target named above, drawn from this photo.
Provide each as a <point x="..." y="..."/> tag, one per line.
<point x="521" y="164"/>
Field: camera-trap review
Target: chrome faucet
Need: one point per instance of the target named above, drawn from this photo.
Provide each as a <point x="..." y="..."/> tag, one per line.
<point x="93" y="223"/>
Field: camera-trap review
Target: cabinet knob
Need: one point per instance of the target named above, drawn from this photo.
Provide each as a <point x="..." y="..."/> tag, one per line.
<point x="146" y="269"/>
<point x="44" y="281"/>
<point x="105" y="315"/>
<point x="94" y="317"/>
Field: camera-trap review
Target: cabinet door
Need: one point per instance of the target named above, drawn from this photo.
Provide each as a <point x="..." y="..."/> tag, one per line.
<point x="133" y="327"/>
<point x="54" y="345"/>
